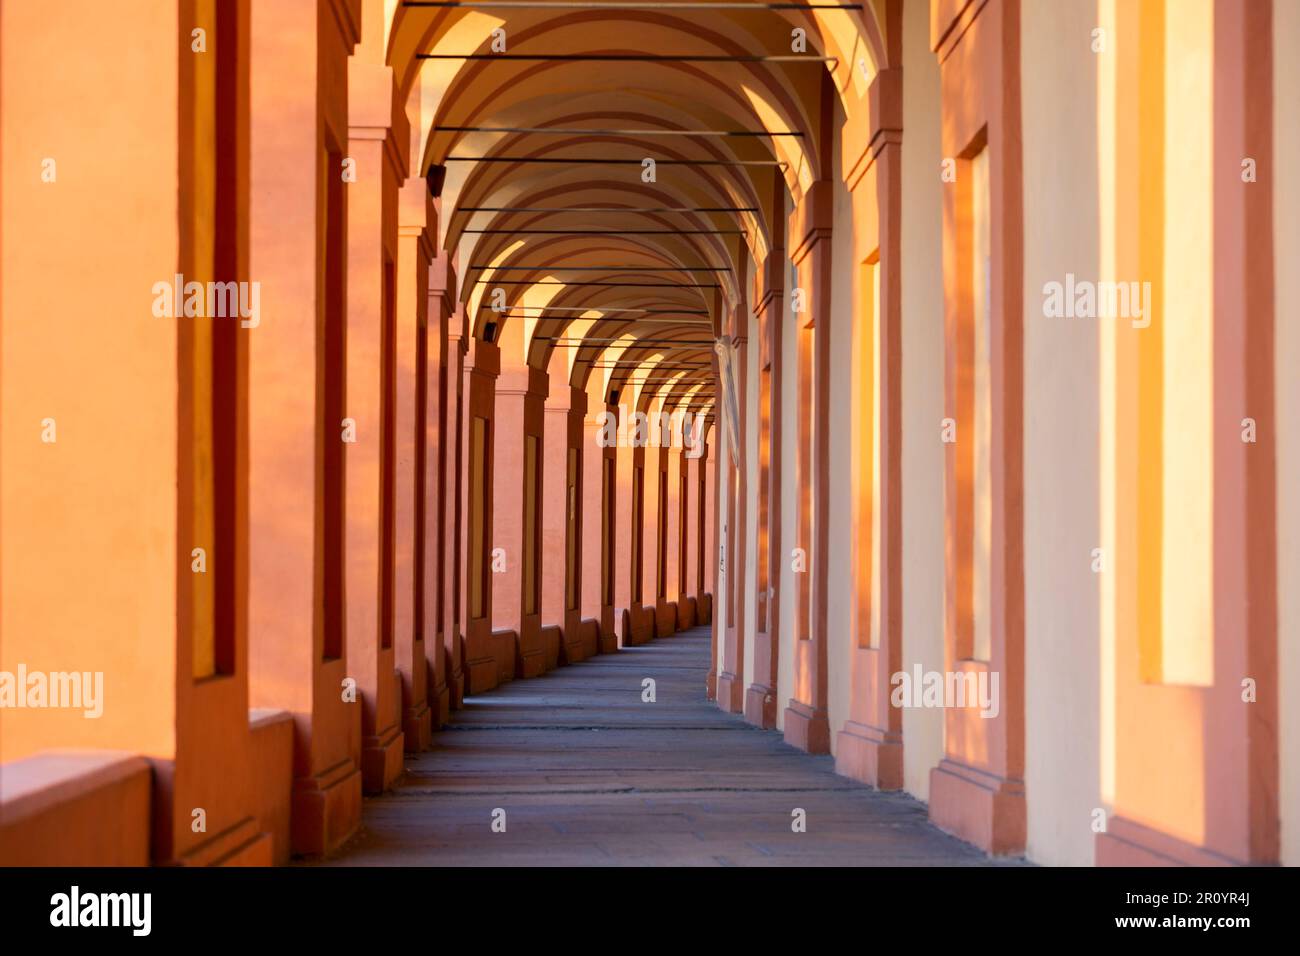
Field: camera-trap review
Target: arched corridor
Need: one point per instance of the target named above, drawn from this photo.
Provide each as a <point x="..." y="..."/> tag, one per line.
<point x="389" y="388"/>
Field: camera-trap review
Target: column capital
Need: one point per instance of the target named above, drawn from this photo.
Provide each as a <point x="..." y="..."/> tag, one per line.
<point x="442" y="288"/>
<point x="578" y="400"/>
<point x="457" y="327"/>
<point x="485" y="358"/>
<point x="736" y="325"/>
<point x="442" y="276"/>
<point x="870" y="131"/>
<point x="375" y="114"/>
<point x="594" y="418"/>
<point x="415" y="216"/>
<point x="523" y="380"/>
<point x="811" y="220"/>
<point x="347" y="14"/>
<point x="771" y="276"/>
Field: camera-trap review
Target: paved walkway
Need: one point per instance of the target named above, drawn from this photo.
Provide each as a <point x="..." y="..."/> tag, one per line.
<point x="589" y="774"/>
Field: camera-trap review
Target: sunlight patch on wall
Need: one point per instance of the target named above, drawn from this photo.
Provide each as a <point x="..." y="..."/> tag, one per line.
<point x="609" y="356"/>
<point x="485" y="276"/>
<point x="534" y="299"/>
<point x="472" y="31"/>
<point x="577" y="329"/>
<point x="1188" y="561"/>
<point x="788" y="149"/>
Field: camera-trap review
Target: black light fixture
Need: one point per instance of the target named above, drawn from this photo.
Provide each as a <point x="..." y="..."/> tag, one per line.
<point x="436" y="177"/>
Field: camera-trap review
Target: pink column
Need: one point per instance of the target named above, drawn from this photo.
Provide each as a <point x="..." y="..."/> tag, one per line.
<point x="437" y="491"/>
<point x="561" y="512"/>
<point x="415" y="250"/>
<point x="807" y="724"/>
<point x="690" y="506"/>
<point x="650" y="507"/>
<point x="372" y="255"/>
<point x="762" y="694"/>
<point x="708" y="533"/>
<point x="520" y="410"/>
<point x="487" y="658"/>
<point x="708" y="518"/>
<point x="676" y="569"/>
<point x="869" y="747"/>
<point x="585" y="640"/>
<point x="555" y="504"/>
<point x="978" y="790"/>
<point x="99" y="525"/>
<point x="297" y="656"/>
<point x="731" y="688"/>
<point x="453" y="564"/>
<point x="597" y="518"/>
<point x="625" y="566"/>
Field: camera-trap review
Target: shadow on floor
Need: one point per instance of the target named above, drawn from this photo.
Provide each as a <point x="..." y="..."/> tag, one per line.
<point x="586" y="773"/>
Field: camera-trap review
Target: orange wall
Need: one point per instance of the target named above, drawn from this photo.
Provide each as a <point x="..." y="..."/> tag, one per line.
<point x="89" y="541"/>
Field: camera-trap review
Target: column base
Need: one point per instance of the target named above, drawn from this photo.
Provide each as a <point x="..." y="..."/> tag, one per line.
<point x="760" y="706"/>
<point x="979" y="807"/>
<point x="711" y="686"/>
<point x="381" y="760"/>
<point x="417" y="728"/>
<point x="554" y="652"/>
<point x="504" y="646"/>
<point x="240" y="845"/>
<point x="439" y="706"/>
<point x="326" y="809"/>
<point x="685" y="613"/>
<point x="455" y="686"/>
<point x="533" y="649"/>
<point x="665" y="618"/>
<point x="481" y="675"/>
<point x="259" y="851"/>
<point x="1126" y="843"/>
<point x="587" y="637"/>
<point x="807" y="728"/>
<point x="532" y="664"/>
<point x="574" y="653"/>
<point x="731" y="693"/>
<point x="869" y="755"/>
<point x="606" y="638"/>
<point x="641" y="625"/>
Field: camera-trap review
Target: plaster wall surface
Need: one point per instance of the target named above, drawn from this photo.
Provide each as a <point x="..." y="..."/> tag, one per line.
<point x="921" y="392"/>
<point x="1286" y="255"/>
<point x="751" y="495"/>
<point x="841" y="600"/>
<point x="789" y="525"/>
<point x="1062" y="660"/>
<point x="88" y="520"/>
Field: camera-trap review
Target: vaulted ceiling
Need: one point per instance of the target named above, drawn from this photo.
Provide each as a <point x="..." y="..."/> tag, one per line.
<point x="615" y="170"/>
